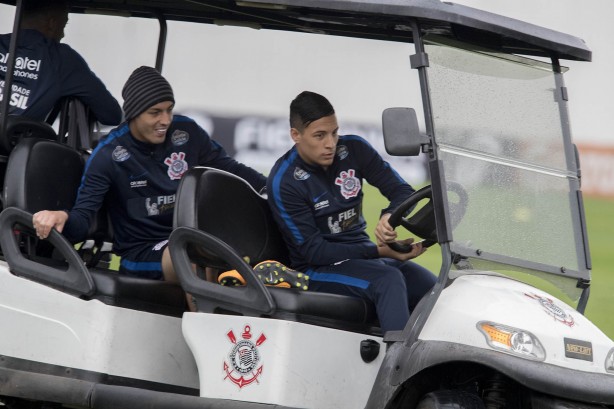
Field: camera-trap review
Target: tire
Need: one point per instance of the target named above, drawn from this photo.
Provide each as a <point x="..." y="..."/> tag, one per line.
<point x="450" y="399"/>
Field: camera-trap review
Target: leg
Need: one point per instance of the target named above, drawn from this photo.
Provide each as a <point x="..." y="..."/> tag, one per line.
<point x="144" y="261"/>
<point x="171" y="276"/>
<point x="167" y="267"/>
<point x="419" y="280"/>
<point x="382" y="284"/>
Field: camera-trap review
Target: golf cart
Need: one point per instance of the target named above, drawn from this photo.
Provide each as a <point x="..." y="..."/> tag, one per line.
<point x="502" y="328"/>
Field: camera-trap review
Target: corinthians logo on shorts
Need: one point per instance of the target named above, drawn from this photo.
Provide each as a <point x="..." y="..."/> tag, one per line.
<point x="242" y="368"/>
<point x="554" y="310"/>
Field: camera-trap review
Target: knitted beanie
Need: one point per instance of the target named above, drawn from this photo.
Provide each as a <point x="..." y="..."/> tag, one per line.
<point x="145" y="88"/>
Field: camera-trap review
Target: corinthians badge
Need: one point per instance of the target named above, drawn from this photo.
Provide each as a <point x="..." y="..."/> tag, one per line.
<point x="177" y="165"/>
<point x="553" y="310"/>
<point x="242" y="368"/>
<point x="350" y="184"/>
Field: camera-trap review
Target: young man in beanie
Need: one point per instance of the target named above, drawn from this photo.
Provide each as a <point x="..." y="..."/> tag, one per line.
<point x="53" y="70"/>
<point x="315" y="193"/>
<point x="137" y="169"/>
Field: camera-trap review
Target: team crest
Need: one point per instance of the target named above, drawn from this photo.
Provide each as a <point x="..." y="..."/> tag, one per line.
<point x="179" y="137"/>
<point x="177" y="165"/>
<point x="342" y="152"/>
<point x="553" y="310"/>
<point x="120" y="154"/>
<point x="350" y="184"/>
<point x="301" y="174"/>
<point x="242" y="368"/>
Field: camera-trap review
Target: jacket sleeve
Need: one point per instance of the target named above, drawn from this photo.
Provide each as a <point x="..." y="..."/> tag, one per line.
<point x="380" y="174"/>
<point x="214" y="155"/>
<point x="94" y="186"/>
<point x="80" y="81"/>
<point x="292" y="211"/>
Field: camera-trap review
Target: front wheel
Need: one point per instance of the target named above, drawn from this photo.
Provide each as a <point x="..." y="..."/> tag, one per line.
<point x="450" y="399"/>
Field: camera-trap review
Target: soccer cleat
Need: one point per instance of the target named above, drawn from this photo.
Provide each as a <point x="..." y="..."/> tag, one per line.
<point x="274" y="273"/>
<point x="271" y="273"/>
<point x="230" y="278"/>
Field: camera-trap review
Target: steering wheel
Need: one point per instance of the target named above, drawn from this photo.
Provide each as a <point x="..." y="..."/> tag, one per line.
<point x="422" y="223"/>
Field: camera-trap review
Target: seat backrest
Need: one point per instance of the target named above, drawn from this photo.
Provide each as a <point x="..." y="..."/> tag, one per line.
<point x="226" y="206"/>
<point x="20" y="127"/>
<point x="42" y="174"/>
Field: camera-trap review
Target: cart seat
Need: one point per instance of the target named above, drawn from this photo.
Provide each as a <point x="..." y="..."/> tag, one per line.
<point x="232" y="215"/>
<point x="18" y="128"/>
<point x="44" y="174"/>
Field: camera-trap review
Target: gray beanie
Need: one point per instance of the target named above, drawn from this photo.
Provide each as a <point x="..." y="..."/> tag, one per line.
<point x="145" y="88"/>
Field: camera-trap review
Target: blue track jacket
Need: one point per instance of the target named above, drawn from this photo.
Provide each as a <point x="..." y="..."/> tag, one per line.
<point x="139" y="182"/>
<point x="46" y="71"/>
<point x="320" y="211"/>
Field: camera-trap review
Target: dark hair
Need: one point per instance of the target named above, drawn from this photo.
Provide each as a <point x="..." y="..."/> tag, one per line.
<point x="38" y="7"/>
<point x="308" y="107"/>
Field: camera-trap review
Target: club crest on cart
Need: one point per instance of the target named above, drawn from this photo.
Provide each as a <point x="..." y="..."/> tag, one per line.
<point x="242" y="367"/>
<point x="554" y="310"/>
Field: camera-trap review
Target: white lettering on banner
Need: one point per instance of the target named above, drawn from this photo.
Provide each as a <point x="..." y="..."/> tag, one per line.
<point x="258" y="141"/>
<point x="253" y="133"/>
<point x="597" y="166"/>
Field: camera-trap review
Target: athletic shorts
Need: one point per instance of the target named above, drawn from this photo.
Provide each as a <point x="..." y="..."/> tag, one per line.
<point x="144" y="261"/>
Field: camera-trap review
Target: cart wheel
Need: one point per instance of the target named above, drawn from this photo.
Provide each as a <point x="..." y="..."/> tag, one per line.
<point x="450" y="399"/>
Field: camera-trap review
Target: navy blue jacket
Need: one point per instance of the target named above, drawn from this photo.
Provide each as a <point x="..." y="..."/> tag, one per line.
<point x="46" y="71"/>
<point x="139" y="181"/>
<point x="320" y="211"/>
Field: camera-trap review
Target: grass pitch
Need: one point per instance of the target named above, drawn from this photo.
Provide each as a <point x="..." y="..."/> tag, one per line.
<point x="600" y="225"/>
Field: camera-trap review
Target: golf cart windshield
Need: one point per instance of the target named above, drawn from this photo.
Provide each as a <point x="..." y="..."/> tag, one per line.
<point x="502" y="137"/>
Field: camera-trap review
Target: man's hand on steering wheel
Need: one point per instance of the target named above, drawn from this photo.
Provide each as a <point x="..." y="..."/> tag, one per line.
<point x="385" y="234"/>
<point x="416" y="249"/>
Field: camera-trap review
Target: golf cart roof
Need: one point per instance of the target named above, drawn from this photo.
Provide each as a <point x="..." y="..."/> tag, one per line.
<point x="387" y="20"/>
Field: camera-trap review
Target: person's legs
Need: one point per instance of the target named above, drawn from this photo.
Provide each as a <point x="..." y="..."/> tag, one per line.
<point x="167" y="267"/>
<point x="144" y="261"/>
<point x="171" y="276"/>
<point x="419" y="280"/>
<point x="382" y="284"/>
<point x="152" y="261"/>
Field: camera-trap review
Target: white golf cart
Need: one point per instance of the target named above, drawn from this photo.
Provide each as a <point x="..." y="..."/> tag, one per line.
<point x="503" y="327"/>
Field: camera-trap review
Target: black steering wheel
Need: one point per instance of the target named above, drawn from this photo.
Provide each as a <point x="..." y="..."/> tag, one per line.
<point x="422" y="222"/>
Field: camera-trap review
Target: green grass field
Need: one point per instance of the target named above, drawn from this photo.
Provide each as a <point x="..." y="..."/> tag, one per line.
<point x="600" y="221"/>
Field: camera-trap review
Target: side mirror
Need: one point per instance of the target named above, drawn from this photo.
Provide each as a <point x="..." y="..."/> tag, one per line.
<point x="402" y="136"/>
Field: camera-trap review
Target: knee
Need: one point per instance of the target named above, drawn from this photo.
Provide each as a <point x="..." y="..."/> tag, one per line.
<point x="389" y="278"/>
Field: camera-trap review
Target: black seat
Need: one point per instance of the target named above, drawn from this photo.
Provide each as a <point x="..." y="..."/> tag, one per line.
<point x="221" y="221"/>
<point x="227" y="207"/>
<point x="44" y="174"/>
<point x="18" y="128"/>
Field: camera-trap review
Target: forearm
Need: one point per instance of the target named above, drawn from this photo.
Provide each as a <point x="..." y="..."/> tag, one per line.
<point x="77" y="226"/>
<point x="320" y="252"/>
